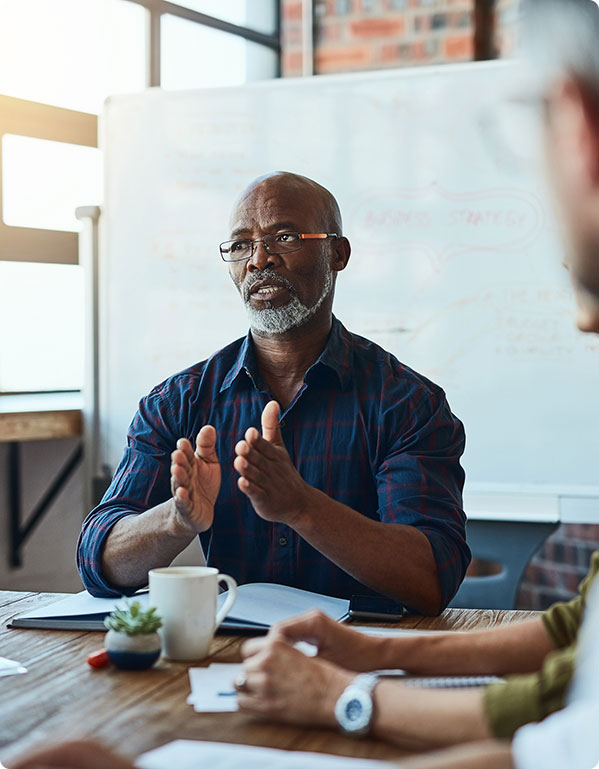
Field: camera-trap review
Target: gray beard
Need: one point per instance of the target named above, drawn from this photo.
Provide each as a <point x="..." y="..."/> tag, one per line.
<point x="279" y="320"/>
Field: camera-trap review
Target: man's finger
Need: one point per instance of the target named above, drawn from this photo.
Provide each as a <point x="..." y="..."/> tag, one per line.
<point x="249" y="470"/>
<point x="310" y="627"/>
<point x="252" y="646"/>
<point x="182" y="499"/>
<point x="206" y="444"/>
<point x="179" y="459"/>
<point x="180" y="475"/>
<point x="270" y="424"/>
<point x="254" y="441"/>
<point x="185" y="446"/>
<point x="257" y="495"/>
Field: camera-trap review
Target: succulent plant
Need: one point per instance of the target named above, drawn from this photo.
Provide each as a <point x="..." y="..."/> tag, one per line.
<point x="133" y="620"/>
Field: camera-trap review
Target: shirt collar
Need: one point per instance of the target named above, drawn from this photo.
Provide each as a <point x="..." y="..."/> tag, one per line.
<point x="337" y="356"/>
<point x="338" y="353"/>
<point x="245" y="362"/>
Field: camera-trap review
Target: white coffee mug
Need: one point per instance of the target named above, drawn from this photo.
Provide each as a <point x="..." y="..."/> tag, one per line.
<point x="185" y="599"/>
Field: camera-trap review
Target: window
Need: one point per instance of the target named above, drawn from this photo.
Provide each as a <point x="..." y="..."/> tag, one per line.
<point x="44" y="181"/>
<point x="41" y="327"/>
<point x="59" y="61"/>
<point x="260" y="15"/>
<point x="194" y="56"/>
<point x="71" y="53"/>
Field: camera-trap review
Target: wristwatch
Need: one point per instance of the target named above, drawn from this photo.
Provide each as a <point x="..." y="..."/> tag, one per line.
<point x="354" y="709"/>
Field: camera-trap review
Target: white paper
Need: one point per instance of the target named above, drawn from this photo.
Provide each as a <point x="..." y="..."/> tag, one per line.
<point x="83" y="603"/>
<point x="269" y="603"/>
<point x="189" y="754"/>
<point x="396" y="632"/>
<point x="11" y="667"/>
<point x="212" y="689"/>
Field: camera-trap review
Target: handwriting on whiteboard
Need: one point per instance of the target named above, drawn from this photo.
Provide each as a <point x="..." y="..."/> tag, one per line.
<point x="443" y="224"/>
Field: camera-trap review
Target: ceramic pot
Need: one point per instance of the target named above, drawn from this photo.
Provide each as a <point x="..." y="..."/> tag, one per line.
<point x="132" y="652"/>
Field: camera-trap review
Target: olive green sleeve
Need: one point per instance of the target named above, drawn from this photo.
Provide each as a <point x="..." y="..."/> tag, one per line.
<point x="563" y="620"/>
<point x="527" y="698"/>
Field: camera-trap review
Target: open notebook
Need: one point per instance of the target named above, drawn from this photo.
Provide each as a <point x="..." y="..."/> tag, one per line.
<point x="258" y="606"/>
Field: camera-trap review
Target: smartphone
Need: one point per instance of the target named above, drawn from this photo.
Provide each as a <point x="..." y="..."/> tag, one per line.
<point x="376" y="607"/>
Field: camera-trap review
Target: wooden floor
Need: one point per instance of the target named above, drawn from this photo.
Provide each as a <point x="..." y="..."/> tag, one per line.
<point x="61" y="697"/>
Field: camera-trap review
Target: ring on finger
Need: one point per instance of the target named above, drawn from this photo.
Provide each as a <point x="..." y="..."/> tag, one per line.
<point x="241" y="683"/>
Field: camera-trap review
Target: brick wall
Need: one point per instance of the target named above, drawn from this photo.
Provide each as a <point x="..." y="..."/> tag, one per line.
<point x="554" y="573"/>
<point x="353" y="35"/>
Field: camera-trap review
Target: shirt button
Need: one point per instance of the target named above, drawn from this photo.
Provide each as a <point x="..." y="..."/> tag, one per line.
<point x="282" y="423"/>
<point x="283" y="541"/>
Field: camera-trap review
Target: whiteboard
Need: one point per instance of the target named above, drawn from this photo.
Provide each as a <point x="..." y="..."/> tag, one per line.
<point x="455" y="265"/>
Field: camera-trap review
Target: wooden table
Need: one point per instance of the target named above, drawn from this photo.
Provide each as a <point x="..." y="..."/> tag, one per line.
<point x="36" y="417"/>
<point x="60" y="697"/>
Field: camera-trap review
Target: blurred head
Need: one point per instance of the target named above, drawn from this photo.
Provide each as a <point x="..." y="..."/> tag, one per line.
<point x="561" y="40"/>
<point x="285" y="290"/>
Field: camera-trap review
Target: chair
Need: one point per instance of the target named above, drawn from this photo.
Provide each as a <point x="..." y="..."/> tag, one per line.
<point x="510" y="543"/>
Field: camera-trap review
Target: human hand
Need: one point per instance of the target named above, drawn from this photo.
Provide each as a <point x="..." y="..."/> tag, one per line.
<point x="283" y="684"/>
<point x="267" y="476"/>
<point x="80" y="754"/>
<point x="335" y="642"/>
<point x="195" y="480"/>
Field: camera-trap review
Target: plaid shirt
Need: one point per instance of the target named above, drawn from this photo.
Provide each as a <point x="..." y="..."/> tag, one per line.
<point x="365" y="429"/>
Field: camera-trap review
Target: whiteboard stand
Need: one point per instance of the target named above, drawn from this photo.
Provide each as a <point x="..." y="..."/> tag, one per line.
<point x="95" y="479"/>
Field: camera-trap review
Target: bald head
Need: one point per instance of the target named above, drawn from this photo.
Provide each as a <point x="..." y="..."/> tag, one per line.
<point x="299" y="188"/>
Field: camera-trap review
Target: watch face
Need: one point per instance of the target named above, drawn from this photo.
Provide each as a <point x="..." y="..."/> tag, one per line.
<point x="354" y="710"/>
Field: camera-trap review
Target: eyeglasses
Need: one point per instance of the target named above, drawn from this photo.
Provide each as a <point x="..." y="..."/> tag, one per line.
<point x="277" y="243"/>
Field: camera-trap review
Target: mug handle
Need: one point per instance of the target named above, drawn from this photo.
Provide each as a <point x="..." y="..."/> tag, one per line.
<point x="229" y="600"/>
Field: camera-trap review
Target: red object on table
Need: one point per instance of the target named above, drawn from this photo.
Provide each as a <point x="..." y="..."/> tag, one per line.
<point x="98" y="659"/>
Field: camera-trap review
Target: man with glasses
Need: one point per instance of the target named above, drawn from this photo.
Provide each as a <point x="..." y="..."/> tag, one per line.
<point x="353" y="485"/>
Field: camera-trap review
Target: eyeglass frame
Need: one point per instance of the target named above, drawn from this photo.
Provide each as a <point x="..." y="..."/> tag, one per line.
<point x="302" y="236"/>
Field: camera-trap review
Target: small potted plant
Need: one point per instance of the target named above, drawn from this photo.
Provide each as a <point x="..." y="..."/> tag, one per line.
<point x="132" y="642"/>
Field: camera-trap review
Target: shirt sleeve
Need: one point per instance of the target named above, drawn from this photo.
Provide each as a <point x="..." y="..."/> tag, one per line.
<point x="420" y="481"/>
<point x="141" y="481"/>
<point x="533" y="697"/>
<point x="562" y="621"/>
<point x="528" y="698"/>
<point x="569" y="738"/>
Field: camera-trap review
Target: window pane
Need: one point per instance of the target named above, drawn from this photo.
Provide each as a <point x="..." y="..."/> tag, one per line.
<point x="43" y="350"/>
<point x="194" y="56"/>
<point x="255" y="14"/>
<point x="44" y="181"/>
<point x="71" y="53"/>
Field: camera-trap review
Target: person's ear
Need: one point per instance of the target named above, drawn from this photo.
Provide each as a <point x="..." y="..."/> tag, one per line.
<point x="340" y="254"/>
<point x="575" y="132"/>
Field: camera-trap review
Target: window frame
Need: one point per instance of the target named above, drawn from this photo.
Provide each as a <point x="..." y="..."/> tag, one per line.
<point x="42" y="121"/>
<point x="157" y="8"/>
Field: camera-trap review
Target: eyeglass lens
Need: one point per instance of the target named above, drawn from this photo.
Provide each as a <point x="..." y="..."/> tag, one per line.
<point x="274" y="243"/>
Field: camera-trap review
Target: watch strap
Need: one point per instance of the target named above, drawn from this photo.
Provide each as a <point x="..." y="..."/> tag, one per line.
<point x="366" y="681"/>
